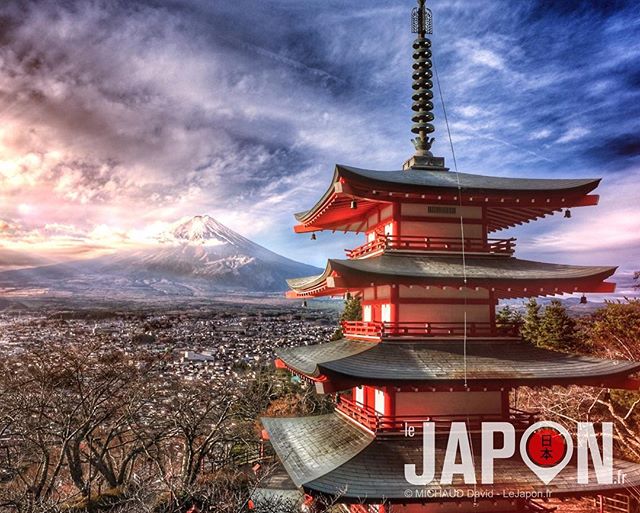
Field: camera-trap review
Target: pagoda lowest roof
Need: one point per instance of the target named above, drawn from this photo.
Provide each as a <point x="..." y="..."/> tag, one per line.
<point x="441" y="363"/>
<point x="538" y="278"/>
<point x="328" y="455"/>
<point x="435" y="186"/>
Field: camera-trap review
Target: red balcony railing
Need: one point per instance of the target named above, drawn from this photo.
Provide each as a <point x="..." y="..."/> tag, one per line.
<point x="379" y="330"/>
<point x="387" y="424"/>
<point x="441" y="244"/>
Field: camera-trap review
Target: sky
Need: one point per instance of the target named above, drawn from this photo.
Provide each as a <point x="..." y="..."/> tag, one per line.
<point x="119" y="117"/>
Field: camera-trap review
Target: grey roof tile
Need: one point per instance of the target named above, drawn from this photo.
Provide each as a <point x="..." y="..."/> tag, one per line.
<point x="371" y="470"/>
<point x="442" y="361"/>
<point x="435" y="268"/>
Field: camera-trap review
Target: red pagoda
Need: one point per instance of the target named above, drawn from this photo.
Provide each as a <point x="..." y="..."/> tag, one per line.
<point x="429" y="276"/>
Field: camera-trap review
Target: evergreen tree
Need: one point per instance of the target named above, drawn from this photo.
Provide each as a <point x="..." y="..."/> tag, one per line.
<point x="508" y="320"/>
<point x="352" y="309"/>
<point x="557" y="328"/>
<point x="530" y="330"/>
<point x="352" y="312"/>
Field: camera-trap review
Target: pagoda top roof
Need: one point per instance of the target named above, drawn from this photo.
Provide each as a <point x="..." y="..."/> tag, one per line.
<point x="327" y="455"/>
<point x="440" y="362"/>
<point x="467" y="181"/>
<point x="538" y="278"/>
<point x="434" y="186"/>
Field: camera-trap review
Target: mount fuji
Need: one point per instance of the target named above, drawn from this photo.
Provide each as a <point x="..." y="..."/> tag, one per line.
<point x="196" y="256"/>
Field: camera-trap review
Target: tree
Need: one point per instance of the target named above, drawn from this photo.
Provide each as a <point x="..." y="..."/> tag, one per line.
<point x="352" y="309"/>
<point x="79" y="421"/>
<point x="530" y="330"/>
<point x="508" y="320"/>
<point x="557" y="328"/>
<point x="614" y="330"/>
<point x="352" y="312"/>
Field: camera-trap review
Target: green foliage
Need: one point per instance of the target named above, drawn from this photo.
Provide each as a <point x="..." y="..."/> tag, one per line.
<point x="552" y="328"/>
<point x="507" y="318"/>
<point x="614" y="330"/>
<point x="352" y="309"/>
<point x="530" y="330"/>
<point x="352" y="312"/>
<point x="337" y="335"/>
<point x="557" y="328"/>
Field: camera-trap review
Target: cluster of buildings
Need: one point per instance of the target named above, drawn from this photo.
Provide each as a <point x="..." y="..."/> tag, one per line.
<point x="225" y="340"/>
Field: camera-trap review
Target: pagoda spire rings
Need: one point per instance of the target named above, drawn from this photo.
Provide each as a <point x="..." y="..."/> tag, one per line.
<point x="422" y="83"/>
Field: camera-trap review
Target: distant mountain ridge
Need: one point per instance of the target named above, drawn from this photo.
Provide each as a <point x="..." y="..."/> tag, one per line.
<point x="197" y="256"/>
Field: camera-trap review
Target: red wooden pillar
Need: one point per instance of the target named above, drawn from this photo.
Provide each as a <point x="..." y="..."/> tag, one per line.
<point x="369" y="397"/>
<point x="389" y="402"/>
<point x="395" y="216"/>
<point x="485" y="226"/>
<point x="506" y="405"/>
<point x="394" y="295"/>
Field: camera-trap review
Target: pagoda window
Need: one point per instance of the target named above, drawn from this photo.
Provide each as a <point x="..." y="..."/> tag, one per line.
<point x="448" y="211"/>
<point x="388" y="229"/>
<point x="438" y="209"/>
<point x="385" y="313"/>
<point x="371" y="236"/>
<point x="379" y="402"/>
<point x="366" y="313"/>
<point x="359" y="395"/>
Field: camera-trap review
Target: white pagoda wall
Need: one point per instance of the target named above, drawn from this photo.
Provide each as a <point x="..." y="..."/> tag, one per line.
<point x="433" y="229"/>
<point x="414" y="219"/>
<point x="443" y="313"/>
<point x="417" y="291"/>
<point x="425" y="307"/>
<point x="448" y="403"/>
<point x="440" y="228"/>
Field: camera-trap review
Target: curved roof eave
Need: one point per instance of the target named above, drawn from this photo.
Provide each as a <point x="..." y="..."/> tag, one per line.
<point x="468" y="182"/>
<point x="449" y="180"/>
<point x="438" y="268"/>
<point x="433" y="362"/>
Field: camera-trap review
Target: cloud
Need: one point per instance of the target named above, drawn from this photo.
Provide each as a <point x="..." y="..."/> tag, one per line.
<point x="608" y="234"/>
<point x="543" y="133"/>
<point x="120" y="116"/>
<point x="573" y="134"/>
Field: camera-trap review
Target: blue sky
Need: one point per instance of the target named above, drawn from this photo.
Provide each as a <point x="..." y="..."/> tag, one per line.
<point x="121" y="116"/>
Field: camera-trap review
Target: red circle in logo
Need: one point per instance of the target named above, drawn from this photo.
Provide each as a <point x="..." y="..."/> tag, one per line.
<point x="546" y="447"/>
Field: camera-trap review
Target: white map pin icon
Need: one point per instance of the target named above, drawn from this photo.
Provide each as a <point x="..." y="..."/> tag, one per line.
<point x="546" y="474"/>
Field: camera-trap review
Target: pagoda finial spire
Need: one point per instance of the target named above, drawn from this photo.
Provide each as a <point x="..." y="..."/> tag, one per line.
<point x="422" y="24"/>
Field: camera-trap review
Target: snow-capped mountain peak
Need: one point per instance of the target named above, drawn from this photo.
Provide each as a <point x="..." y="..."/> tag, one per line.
<point x="194" y="256"/>
<point x="202" y="229"/>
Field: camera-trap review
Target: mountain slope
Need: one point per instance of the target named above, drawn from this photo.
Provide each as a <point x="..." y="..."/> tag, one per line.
<point x="197" y="257"/>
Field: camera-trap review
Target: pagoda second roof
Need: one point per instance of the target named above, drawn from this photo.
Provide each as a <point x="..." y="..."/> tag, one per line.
<point x="328" y="455"/>
<point x="442" y="363"/>
<point x="438" y="270"/>
<point x="350" y="182"/>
